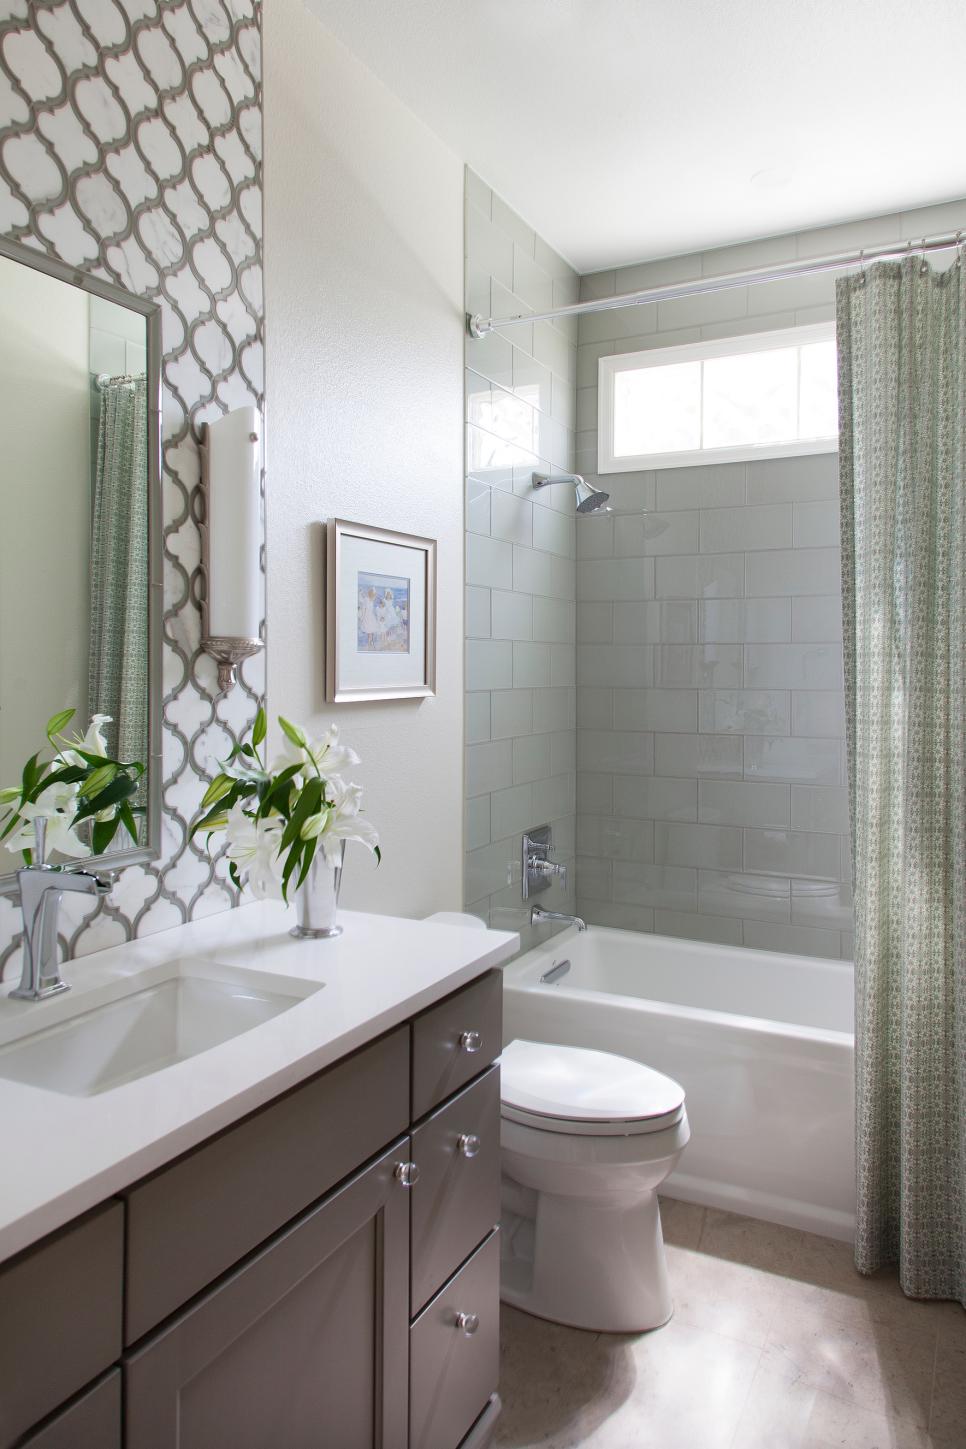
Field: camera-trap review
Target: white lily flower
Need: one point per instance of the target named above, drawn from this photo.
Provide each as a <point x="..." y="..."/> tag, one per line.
<point x="325" y="755"/>
<point x="253" y="846"/>
<point x="93" y="741"/>
<point x="344" y="822"/>
<point x="58" y="806"/>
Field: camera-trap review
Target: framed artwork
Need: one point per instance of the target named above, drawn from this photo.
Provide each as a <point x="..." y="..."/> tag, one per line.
<point x="380" y="617"/>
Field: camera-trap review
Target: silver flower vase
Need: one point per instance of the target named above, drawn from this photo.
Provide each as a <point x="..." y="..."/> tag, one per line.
<point x="317" y="900"/>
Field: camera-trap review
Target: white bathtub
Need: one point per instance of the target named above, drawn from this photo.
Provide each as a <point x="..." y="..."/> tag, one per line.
<point x="762" y="1044"/>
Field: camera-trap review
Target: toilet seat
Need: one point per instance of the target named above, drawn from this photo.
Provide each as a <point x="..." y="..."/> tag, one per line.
<point x="580" y="1092"/>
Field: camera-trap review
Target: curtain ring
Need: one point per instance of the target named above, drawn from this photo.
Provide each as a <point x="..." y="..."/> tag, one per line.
<point x="959" y="249"/>
<point x="923" y="261"/>
<point x="861" y="266"/>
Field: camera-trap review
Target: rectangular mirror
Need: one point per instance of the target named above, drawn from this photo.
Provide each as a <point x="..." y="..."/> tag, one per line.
<point x="80" y="517"/>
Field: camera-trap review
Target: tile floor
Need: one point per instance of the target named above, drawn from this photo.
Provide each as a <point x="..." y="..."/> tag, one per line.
<point x="776" y="1343"/>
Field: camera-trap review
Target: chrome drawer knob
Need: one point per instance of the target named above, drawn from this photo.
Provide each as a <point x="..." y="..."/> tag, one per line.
<point x="407" y="1173"/>
<point x="471" y="1041"/>
<point x="469" y="1144"/>
<point x="468" y="1323"/>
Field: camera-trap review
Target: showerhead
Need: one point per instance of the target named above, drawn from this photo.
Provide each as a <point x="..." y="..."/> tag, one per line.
<point x="588" y="499"/>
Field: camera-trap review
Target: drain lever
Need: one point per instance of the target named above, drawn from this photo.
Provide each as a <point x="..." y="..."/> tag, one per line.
<point x="558" y="969"/>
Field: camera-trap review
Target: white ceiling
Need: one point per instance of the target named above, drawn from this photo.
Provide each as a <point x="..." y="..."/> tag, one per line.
<point x="629" y="129"/>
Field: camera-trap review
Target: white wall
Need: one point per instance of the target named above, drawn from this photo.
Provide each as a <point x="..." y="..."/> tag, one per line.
<point x="45" y="503"/>
<point x="364" y="348"/>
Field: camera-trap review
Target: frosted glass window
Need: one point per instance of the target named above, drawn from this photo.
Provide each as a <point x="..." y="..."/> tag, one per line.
<point x="768" y="395"/>
<point x="658" y="409"/>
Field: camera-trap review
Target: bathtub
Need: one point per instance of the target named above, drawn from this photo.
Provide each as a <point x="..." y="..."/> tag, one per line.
<point x="762" y="1044"/>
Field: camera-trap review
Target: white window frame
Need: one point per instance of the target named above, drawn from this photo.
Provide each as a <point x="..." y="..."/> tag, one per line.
<point x="609" y="366"/>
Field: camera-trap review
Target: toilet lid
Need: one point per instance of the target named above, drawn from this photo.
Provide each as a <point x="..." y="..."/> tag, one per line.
<point x="565" y="1088"/>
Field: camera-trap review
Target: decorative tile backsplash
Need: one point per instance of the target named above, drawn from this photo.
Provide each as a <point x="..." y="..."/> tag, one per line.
<point x="130" y="147"/>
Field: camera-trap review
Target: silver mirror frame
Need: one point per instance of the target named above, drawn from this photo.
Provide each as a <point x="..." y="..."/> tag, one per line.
<point x="151" y="312"/>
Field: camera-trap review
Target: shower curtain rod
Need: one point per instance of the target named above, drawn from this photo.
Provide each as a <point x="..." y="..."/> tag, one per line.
<point x="478" y="326"/>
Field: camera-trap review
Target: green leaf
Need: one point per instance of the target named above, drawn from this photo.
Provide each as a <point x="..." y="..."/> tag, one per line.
<point x="9" y="795"/>
<point x="308" y="803"/>
<point x="378" y="854"/>
<point x="293" y="732"/>
<point x="309" y="853"/>
<point x="290" y="864"/>
<point x="233" y="874"/>
<point x="32" y="772"/>
<point x="259" y="728"/>
<point x="102" y="834"/>
<point x="126" y="816"/>
<point x="69" y="775"/>
<point x="120" y="789"/>
<point x="277" y="795"/>
<point x="57" y="721"/>
<point x="220" y="786"/>
<point x="208" y="822"/>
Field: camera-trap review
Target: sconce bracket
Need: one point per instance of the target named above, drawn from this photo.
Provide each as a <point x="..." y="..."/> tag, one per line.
<point x="227" y="652"/>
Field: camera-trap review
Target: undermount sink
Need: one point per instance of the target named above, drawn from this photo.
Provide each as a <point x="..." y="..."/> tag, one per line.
<point x="166" y="1016"/>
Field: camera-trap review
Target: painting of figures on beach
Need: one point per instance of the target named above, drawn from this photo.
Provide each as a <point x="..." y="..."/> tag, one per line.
<point x="383" y="626"/>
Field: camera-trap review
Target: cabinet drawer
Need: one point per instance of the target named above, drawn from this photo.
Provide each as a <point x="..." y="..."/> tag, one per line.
<point x="456" y="1200"/>
<point x="60" y="1318"/>
<point x="92" y="1422"/>
<point x="194" y="1220"/>
<point x="452" y="1374"/>
<point x="455" y="1040"/>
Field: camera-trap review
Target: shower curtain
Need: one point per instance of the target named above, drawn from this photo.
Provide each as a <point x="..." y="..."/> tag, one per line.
<point x="118" y="683"/>
<point x="902" y="403"/>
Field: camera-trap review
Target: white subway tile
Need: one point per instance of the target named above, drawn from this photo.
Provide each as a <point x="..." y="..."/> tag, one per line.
<point x="793" y="571"/>
<point x="817" y="524"/>
<point x="665" y="887"/>
<point x="628" y="665"/>
<point x="728" y="530"/>
<point x="512" y="225"/>
<point x="619" y="917"/>
<point x="744" y="621"/>
<point x="511" y="713"/>
<point x="551" y="261"/>
<point x="563" y="577"/>
<point x="531" y="282"/>
<point x="615" y="839"/>
<point x="827" y="904"/>
<point x="619" y="324"/>
<point x="792" y="759"/>
<point x="510" y="615"/>
<point x="564" y="402"/>
<point x="552" y="349"/>
<point x="656" y="709"/>
<point x="790" y="293"/>
<point x="594" y="285"/>
<point x="511" y="519"/>
<point x="477" y="717"/>
<point x="794" y="480"/>
<point x="531" y="572"/>
<point x="554" y="709"/>
<point x="649" y="798"/>
<point x="723" y="930"/>
<point x="745" y="712"/>
<point x="818" y="713"/>
<point x="705" y="307"/>
<point x="532" y="382"/>
<point x="713" y="485"/>
<point x="489" y="562"/>
<point x="716" y="847"/>
<point x="563" y="752"/>
<point x="477" y="613"/>
<point x="490" y="357"/>
<point x="656" y="533"/>
<point x="624" y="578"/>
<point x="489" y="767"/>
<point x="563" y="665"/>
<point x="698" y="756"/>
<point x="697" y="666"/>
<point x="588" y="356"/>
<point x="531" y="758"/>
<point x="553" y="798"/>
<point x="489" y="664"/>
<point x="505" y="303"/>
<point x="708" y="576"/>
<point x="476" y="819"/>
<point x="850" y="236"/>
<point x="595" y="537"/>
<point x="791" y="940"/>
<point x="595" y="622"/>
<point x="671" y="621"/>
<point x="595" y="793"/>
<point x="793" y="666"/>
<point x="817" y="619"/>
<point x="748" y="256"/>
<point x="742" y="802"/>
<point x="531" y="665"/>
<point x="553" y="532"/>
<point x="752" y="897"/>
<point x="487" y="870"/>
<point x="792" y="852"/>
<point x="617" y="752"/>
<point x="554" y="620"/>
<point x="819" y="807"/>
<point x="595" y="709"/>
<point x="586" y="408"/>
<point x="477" y="192"/>
<point x="477" y="507"/>
<point x="592" y="878"/>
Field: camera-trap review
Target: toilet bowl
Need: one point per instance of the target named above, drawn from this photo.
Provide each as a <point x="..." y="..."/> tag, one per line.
<point x="586" y="1139"/>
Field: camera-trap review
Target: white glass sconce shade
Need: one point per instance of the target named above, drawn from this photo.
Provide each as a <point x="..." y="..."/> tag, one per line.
<point x="231" y="540"/>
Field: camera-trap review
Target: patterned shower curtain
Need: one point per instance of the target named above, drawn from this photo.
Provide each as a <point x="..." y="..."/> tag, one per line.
<point x="118" y="683"/>
<point x="902" y="403"/>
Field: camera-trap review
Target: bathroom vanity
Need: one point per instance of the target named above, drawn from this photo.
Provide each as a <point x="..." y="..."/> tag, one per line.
<point x="322" y="1268"/>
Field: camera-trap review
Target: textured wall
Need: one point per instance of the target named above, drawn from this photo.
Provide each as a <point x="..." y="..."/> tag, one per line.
<point x="130" y="146"/>
<point x="712" y="792"/>
<point x="520" y="561"/>
<point x="363" y="213"/>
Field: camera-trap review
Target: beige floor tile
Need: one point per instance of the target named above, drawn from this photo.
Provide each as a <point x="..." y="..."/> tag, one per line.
<point x="723" y="1297"/>
<point x="881" y="1369"/>
<point x="947" y="1423"/>
<point x="768" y="1246"/>
<point x="682" y="1222"/>
<point x="834" y="1424"/>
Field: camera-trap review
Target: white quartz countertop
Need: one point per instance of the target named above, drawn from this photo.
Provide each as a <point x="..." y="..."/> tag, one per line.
<point x="62" y="1154"/>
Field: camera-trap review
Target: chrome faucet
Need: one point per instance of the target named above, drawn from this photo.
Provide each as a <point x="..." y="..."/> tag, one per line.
<point x="538" y="916"/>
<point x="41" y="887"/>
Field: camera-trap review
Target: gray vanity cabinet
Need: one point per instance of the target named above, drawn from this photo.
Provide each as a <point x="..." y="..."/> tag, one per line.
<point x="303" y="1346"/>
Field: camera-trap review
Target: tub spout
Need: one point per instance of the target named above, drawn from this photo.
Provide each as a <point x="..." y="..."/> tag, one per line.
<point x="538" y="916"/>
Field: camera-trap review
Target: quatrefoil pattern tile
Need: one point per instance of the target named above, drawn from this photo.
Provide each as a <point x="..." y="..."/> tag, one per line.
<point x="130" y="147"/>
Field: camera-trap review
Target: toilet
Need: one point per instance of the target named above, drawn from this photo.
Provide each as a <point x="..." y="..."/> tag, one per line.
<point x="586" y="1140"/>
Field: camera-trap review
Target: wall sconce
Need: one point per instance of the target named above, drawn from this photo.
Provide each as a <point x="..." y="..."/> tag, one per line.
<point x="231" y="537"/>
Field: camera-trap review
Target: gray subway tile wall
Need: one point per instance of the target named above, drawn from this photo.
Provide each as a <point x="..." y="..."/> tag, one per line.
<point x="521" y="612"/>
